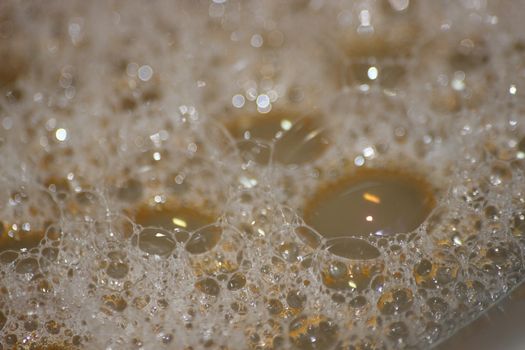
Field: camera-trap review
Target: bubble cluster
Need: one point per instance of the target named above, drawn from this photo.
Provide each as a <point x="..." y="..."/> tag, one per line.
<point x="258" y="175"/>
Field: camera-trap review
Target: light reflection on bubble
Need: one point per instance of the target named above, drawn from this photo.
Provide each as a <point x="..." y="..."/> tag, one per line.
<point x="145" y="73"/>
<point x="61" y="134"/>
<point x="372" y="73"/>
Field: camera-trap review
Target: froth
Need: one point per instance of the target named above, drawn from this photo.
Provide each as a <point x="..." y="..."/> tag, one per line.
<point x="137" y="214"/>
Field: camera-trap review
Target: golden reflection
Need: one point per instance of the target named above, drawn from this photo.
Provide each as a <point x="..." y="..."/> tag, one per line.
<point x="371" y="198"/>
<point x="179" y="222"/>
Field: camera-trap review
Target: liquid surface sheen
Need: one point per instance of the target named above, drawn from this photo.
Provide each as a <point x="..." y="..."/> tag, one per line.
<point x="297" y="139"/>
<point x="370" y="202"/>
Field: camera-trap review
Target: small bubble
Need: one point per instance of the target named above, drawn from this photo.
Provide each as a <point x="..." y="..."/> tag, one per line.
<point x="52" y="327"/>
<point x="456" y="240"/>
<point x="345" y="274"/>
<point x="315" y="332"/>
<point x="166" y="338"/>
<point x="237" y="281"/>
<point x="238" y="101"/>
<point x="372" y="73"/>
<point x="7" y="123"/>
<point x="131" y="69"/>
<point x="263" y="101"/>
<point x="369" y="152"/>
<point x="208" y="286"/>
<point x="61" y="134"/>
<point x="27" y="266"/>
<point x="145" y="73"/>
<point x="399" y="5"/>
<point x="352" y="248"/>
<point x="358" y="302"/>
<point x="11" y="339"/>
<point x="141" y="302"/>
<point x="115" y="302"/>
<point x="395" y="301"/>
<point x="117" y="269"/>
<point x="437" y="306"/>
<point x="458" y="82"/>
<point x="274" y="306"/>
<point x="359" y="160"/>
<point x="289" y="251"/>
<point x="308" y="236"/>
<point x="203" y="239"/>
<point x="500" y="174"/>
<point x="398" y="331"/>
<point x="256" y="40"/>
<point x="156" y="241"/>
<point x="192" y="147"/>
<point x="295" y="299"/>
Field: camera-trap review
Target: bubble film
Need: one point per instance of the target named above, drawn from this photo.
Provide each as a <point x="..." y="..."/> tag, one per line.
<point x="169" y="171"/>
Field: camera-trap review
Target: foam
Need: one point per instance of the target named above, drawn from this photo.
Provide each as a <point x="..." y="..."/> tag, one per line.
<point x="450" y="111"/>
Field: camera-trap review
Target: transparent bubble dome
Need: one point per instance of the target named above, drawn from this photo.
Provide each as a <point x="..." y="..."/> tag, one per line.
<point x="258" y="175"/>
